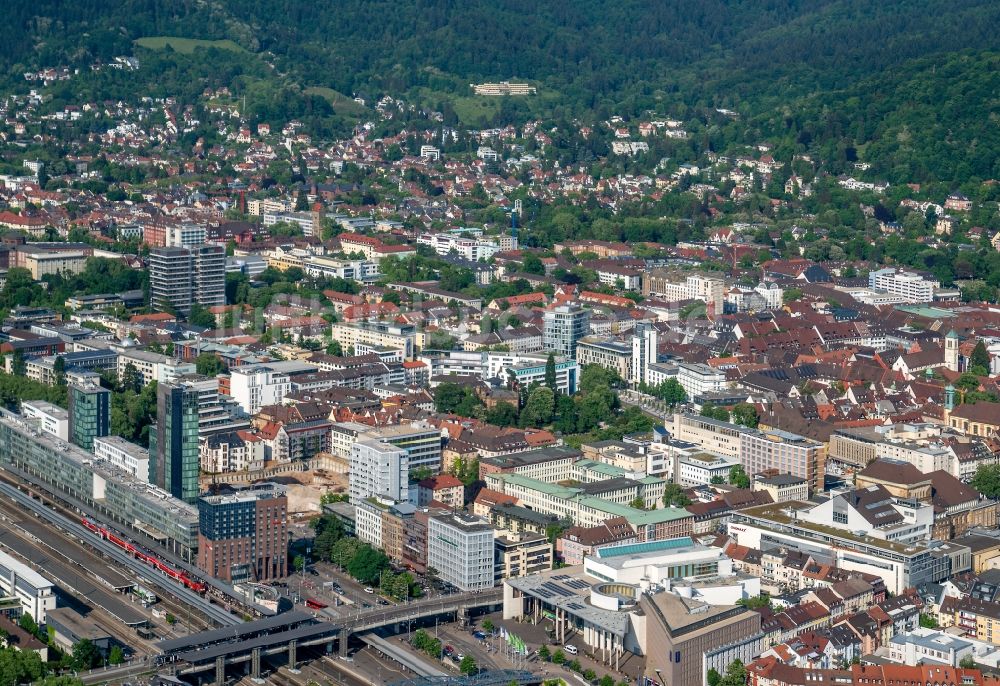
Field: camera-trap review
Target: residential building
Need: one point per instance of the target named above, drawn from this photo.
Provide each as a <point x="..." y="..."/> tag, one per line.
<point x="461" y="548"/>
<point x="564" y="326"/>
<point x="520" y="555"/>
<point x="378" y="469"/>
<point x="782" y="487"/>
<point x="124" y="455"/>
<point x="444" y="488"/>
<point x="785" y="452"/>
<point x="606" y="353"/>
<point x="645" y="343"/>
<point x="182" y="277"/>
<point x="670" y="286"/>
<point x="243" y="536"/>
<point x="151" y="366"/>
<point x="254" y="386"/>
<point x="700" y="379"/>
<point x="231" y="451"/>
<point x="89" y="413"/>
<point x="914" y="287"/>
<point x="701" y="468"/>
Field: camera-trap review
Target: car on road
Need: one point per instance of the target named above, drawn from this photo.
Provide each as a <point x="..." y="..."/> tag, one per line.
<point x="571" y="649"/>
<point x="448" y="650"/>
<point x="369" y="589"/>
<point x="479" y="635"/>
<point x="383" y="601"/>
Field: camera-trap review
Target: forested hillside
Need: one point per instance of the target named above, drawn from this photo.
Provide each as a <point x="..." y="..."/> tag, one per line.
<point x="840" y="74"/>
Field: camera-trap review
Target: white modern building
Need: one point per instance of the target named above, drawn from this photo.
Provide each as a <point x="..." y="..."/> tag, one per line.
<point x="52" y="419"/>
<point x="460" y="547"/>
<point x="701" y="468"/>
<point x="914" y="287"/>
<point x="378" y="470"/>
<point x="185" y="235"/>
<point x="564" y="325"/>
<point x="254" y="386"/>
<point x="34" y="591"/>
<point x="473" y="249"/>
<point x="152" y="366"/>
<point x="124" y="455"/>
<point x="699" y="379"/>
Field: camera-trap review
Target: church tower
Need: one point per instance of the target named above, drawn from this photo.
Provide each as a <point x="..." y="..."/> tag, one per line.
<point x="951" y="351"/>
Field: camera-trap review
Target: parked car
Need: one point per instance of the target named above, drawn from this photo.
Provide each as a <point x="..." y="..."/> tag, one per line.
<point x="571" y="649"/>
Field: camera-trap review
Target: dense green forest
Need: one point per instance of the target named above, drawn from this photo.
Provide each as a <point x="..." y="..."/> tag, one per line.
<point x="911" y="85"/>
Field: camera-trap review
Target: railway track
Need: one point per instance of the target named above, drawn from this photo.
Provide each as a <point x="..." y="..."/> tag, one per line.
<point x="66" y="520"/>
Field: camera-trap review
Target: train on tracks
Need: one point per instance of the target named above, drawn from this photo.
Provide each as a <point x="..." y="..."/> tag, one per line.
<point x="144" y="555"/>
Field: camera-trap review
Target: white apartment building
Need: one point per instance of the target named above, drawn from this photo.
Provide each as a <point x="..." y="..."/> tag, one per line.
<point x="460" y="547"/>
<point x="671" y="287"/>
<point x="257" y="207"/>
<point x="185" y="235"/>
<point x="331" y="267"/>
<point x="430" y="152"/>
<point x="152" y="366"/>
<point x="305" y="220"/>
<point x="473" y="249"/>
<point x="699" y="469"/>
<point x="52" y="419"/>
<point x="379" y="470"/>
<point x="368" y="521"/>
<point x="913" y="287"/>
<point x="124" y="455"/>
<point x="254" y="386"/>
<point x="35" y="593"/>
<point x="772" y="293"/>
<point x="400" y="337"/>
<point x="698" y="379"/>
<point x="645" y="341"/>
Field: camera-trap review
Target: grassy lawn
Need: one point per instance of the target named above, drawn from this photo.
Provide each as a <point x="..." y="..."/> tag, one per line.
<point x="186" y="45"/>
<point x="340" y="102"/>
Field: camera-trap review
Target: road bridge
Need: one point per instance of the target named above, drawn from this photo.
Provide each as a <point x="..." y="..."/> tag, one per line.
<point x="220" y="649"/>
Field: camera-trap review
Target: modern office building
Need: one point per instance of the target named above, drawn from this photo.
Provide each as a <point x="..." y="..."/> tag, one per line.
<point x="78" y="476"/>
<point x="243" y="536"/>
<point x="791" y="526"/>
<point x="681" y="633"/>
<point x="564" y="326"/>
<point x="460" y="547"/>
<point x="175" y="451"/>
<point x="758" y="450"/>
<point x="89" y="414"/>
<point x="35" y="593"/>
<point x="421" y="441"/>
<point x="379" y="470"/>
<point x="182" y="277"/>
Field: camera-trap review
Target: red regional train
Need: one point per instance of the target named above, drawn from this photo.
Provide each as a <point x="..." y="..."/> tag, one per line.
<point x="141" y="554"/>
